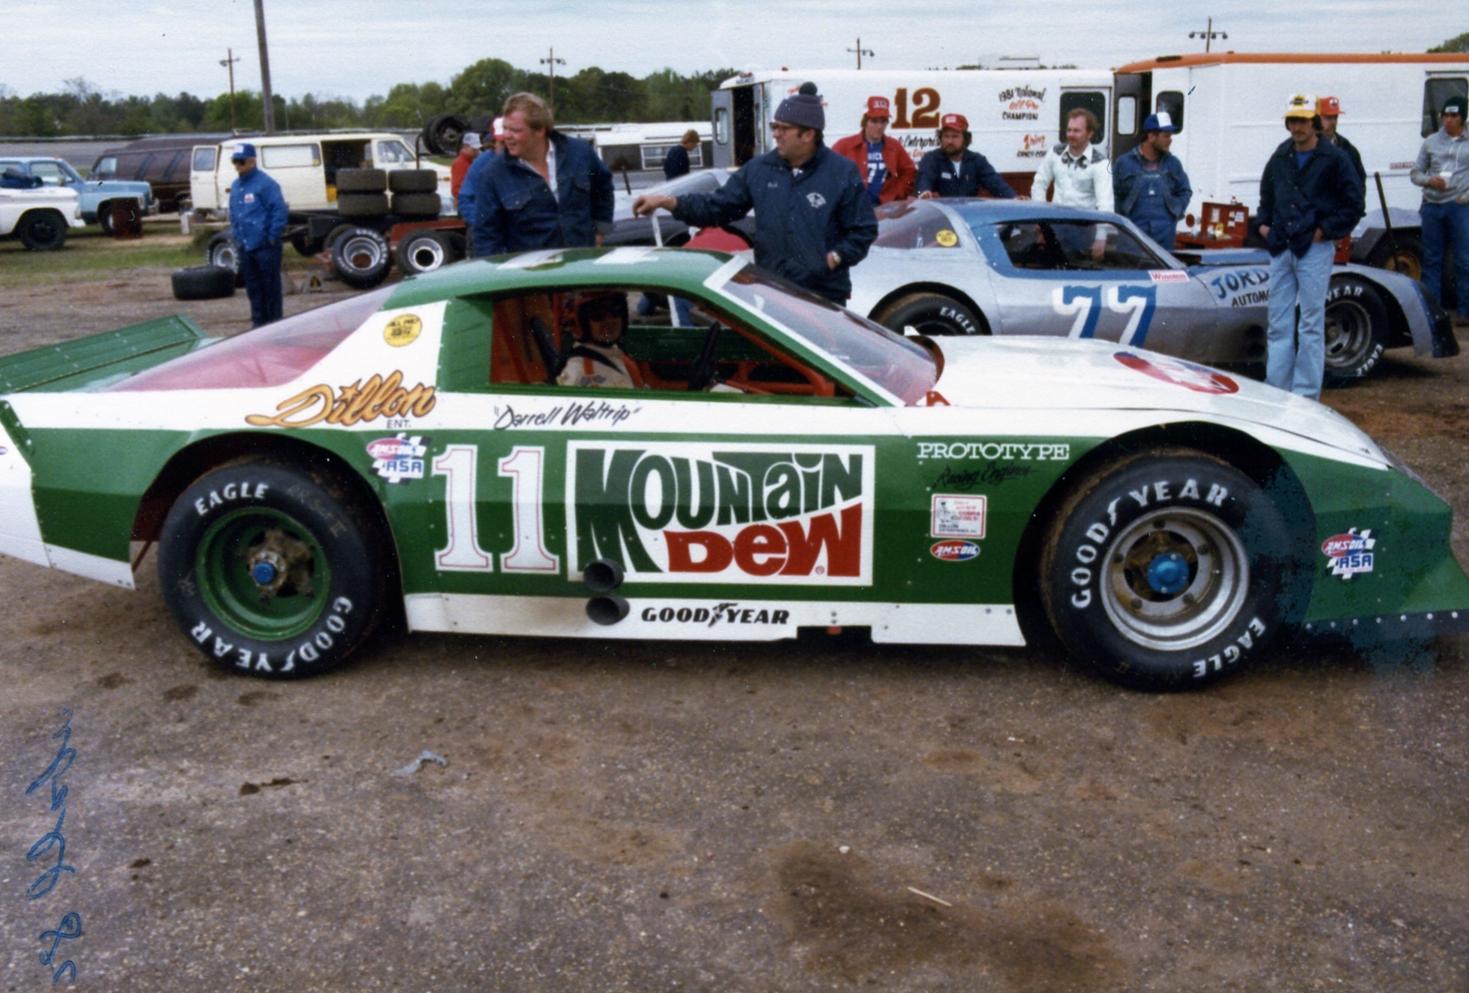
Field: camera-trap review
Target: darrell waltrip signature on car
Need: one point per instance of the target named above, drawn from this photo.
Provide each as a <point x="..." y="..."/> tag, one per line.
<point x="53" y="844"/>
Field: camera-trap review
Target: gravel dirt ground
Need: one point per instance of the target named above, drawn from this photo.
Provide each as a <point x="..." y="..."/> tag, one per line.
<point x="800" y="816"/>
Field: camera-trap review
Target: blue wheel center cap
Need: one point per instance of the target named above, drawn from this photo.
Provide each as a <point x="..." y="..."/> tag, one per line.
<point x="1168" y="573"/>
<point x="263" y="573"/>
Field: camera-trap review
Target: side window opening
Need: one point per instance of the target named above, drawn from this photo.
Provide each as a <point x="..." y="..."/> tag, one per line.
<point x="1171" y="103"/>
<point x="1435" y="92"/>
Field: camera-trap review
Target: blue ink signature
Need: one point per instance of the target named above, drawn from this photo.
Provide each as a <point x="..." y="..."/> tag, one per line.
<point x="70" y="927"/>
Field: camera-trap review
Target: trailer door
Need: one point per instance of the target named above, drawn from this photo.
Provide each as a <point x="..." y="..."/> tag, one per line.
<point x="1132" y="100"/>
<point x="721" y="114"/>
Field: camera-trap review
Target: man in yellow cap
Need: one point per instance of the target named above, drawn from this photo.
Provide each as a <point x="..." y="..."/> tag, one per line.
<point x="1309" y="197"/>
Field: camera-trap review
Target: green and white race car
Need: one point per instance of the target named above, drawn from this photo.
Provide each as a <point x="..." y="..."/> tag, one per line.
<point x="784" y="464"/>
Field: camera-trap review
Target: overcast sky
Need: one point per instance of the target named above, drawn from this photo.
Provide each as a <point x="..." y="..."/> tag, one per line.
<point x="356" y="48"/>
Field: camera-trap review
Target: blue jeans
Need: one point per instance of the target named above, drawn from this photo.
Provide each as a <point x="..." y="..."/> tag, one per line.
<point x="1446" y="225"/>
<point x="1296" y="359"/>
<point x="261" y="268"/>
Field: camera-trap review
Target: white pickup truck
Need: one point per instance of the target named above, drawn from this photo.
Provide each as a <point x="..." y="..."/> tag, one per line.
<point x="39" y="217"/>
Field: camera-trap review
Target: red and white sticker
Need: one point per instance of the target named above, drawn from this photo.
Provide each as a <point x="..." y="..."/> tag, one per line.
<point x="1200" y="379"/>
<point x="953" y="515"/>
<point x="1350" y="553"/>
<point x="954" y="550"/>
<point x="1168" y="275"/>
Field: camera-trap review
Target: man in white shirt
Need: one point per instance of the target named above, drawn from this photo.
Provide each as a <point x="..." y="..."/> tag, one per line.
<point x="1080" y="171"/>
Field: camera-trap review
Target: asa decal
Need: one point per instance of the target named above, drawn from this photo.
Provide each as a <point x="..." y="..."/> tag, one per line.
<point x="679" y="512"/>
<point x="1350" y="553"/>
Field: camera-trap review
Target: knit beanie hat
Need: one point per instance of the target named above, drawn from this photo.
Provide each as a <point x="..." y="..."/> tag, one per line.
<point x="803" y="109"/>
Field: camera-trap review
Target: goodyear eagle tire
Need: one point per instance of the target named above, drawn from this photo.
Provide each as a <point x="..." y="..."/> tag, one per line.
<point x="361" y="180"/>
<point x="413" y="181"/>
<point x="425" y="251"/>
<point x="222" y="253"/>
<point x="1356" y="330"/>
<point x="930" y="314"/>
<point x="361" y="258"/>
<point x="42" y="230"/>
<point x="203" y="282"/>
<point x="1168" y="571"/>
<point x="269" y="570"/>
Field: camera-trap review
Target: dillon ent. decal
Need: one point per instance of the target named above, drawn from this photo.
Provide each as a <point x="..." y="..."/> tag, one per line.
<point x="1349" y="554"/>
<point x="682" y="512"/>
<point x="351" y="404"/>
<point x="398" y="458"/>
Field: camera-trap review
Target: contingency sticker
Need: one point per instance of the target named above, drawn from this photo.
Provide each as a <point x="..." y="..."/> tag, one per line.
<point x="1350" y="553"/>
<point x="402" y="330"/>
<point x="946" y="238"/>
<point x="1200" y="379"/>
<point x="957" y="516"/>
<point x="1168" y="275"/>
<point x="399" y="458"/>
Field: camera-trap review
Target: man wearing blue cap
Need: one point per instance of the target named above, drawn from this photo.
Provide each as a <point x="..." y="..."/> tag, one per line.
<point x="257" y="218"/>
<point x="813" y="217"/>
<point x="1149" y="184"/>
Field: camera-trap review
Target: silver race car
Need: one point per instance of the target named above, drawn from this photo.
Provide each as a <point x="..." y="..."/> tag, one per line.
<point x="1024" y="267"/>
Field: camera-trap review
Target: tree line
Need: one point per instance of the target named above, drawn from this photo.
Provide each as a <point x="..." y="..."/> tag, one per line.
<point x="589" y="96"/>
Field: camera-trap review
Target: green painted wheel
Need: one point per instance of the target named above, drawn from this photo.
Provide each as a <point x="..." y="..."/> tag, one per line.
<point x="264" y="574"/>
<point x="271" y="570"/>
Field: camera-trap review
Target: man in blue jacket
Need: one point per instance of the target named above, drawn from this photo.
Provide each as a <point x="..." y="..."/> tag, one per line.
<point x="955" y="170"/>
<point x="257" y="218"/>
<point x="1149" y="185"/>
<point x="1309" y="197"/>
<point x="813" y="218"/>
<point x="546" y="191"/>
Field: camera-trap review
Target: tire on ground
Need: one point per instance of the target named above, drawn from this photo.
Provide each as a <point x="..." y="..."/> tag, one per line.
<point x="413" y="181"/>
<point x="42" y="230"/>
<point x="361" y="180"/>
<point x="271" y="570"/>
<point x="425" y="251"/>
<point x="104" y="217"/>
<point x="362" y="204"/>
<point x="443" y="134"/>
<point x="1169" y="570"/>
<point x="361" y="258"/>
<point x="930" y="314"/>
<point x="222" y="252"/>
<point x="1356" y="329"/>
<point x="203" y="282"/>
<point x="416" y="204"/>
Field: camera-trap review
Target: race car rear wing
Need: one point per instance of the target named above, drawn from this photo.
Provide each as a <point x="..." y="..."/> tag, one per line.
<point x="100" y="358"/>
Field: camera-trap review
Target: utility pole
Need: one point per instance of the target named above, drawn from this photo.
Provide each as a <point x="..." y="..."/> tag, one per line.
<point x="265" y="97"/>
<point x="1208" y="34"/>
<point x="861" y="52"/>
<point x="229" y="64"/>
<point x="552" y="61"/>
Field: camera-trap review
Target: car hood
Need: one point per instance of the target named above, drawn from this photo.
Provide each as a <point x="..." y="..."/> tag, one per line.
<point x="1045" y="373"/>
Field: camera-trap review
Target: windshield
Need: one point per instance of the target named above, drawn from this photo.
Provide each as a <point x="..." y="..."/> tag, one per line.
<point x="893" y="363"/>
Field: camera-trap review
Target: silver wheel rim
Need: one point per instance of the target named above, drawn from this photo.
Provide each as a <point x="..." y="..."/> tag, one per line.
<point x="362" y="254"/>
<point x="425" y="254"/>
<point x="224" y="257"/>
<point x="1348" y="334"/>
<point x="1174" y="579"/>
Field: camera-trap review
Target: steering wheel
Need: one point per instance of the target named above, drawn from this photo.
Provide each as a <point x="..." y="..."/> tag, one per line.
<point x="701" y="373"/>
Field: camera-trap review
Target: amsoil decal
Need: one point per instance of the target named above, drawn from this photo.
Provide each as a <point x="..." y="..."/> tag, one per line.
<point x="680" y="512"/>
<point x="398" y="458"/>
<point x="1350" y="553"/>
<point x="351" y="404"/>
<point x="954" y="551"/>
<point x="954" y="516"/>
<point x="1200" y="379"/>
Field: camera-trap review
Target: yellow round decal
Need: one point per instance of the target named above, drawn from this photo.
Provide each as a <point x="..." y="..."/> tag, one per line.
<point x="946" y="238"/>
<point x="402" y="330"/>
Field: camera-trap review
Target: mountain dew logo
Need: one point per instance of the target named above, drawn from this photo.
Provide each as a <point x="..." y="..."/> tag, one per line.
<point x="680" y="512"/>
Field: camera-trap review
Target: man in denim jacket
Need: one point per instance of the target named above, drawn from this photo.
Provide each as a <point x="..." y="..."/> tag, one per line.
<point x="1309" y="197"/>
<point x="1148" y="182"/>
<point x="813" y="218"/>
<point x="257" y="219"/>
<point x="547" y="191"/>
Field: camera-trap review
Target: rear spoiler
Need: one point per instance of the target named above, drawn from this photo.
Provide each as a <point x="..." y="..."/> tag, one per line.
<point x="108" y="355"/>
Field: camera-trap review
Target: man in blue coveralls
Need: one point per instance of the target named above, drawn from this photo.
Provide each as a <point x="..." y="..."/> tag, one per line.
<point x="257" y="218"/>
<point x="1149" y="184"/>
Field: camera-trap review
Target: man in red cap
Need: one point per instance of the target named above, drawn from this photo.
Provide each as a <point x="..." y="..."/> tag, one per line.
<point x="952" y="170"/>
<point x="881" y="160"/>
<point x="1327" y="111"/>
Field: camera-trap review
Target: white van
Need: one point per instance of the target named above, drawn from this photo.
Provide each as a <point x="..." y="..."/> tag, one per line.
<point x="305" y="165"/>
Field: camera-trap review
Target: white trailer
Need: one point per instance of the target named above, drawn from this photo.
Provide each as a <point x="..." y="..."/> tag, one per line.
<point x="1013" y="114"/>
<point x="1230" y="108"/>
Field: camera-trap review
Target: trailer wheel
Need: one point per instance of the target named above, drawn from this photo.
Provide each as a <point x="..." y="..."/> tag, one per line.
<point x="221" y="252"/>
<point x="443" y="134"/>
<point x="361" y="180"/>
<point x="425" y="251"/>
<point x="361" y="258"/>
<point x="203" y="282"/>
<point x="1356" y="330"/>
<point x="413" y="181"/>
<point x="416" y="204"/>
<point x="42" y="230"/>
<point x="1402" y="253"/>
